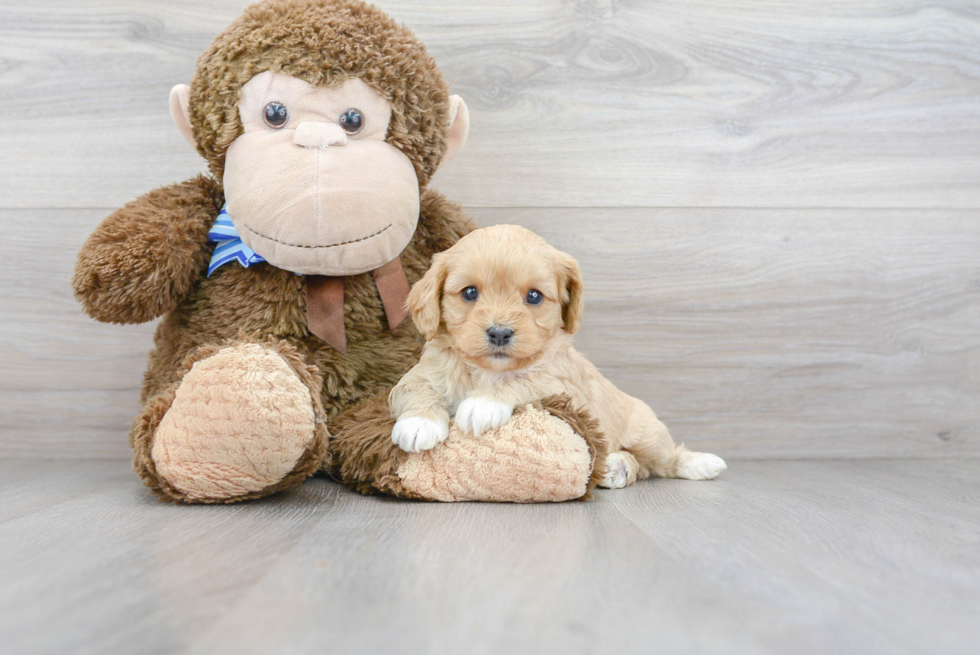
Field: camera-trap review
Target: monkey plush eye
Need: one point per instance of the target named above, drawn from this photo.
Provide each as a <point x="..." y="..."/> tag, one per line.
<point x="352" y="121"/>
<point x="534" y="297"/>
<point x="275" y="114"/>
<point x="470" y="294"/>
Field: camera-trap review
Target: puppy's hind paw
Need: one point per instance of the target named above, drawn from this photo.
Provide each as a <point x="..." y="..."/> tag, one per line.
<point x="477" y="415"/>
<point x="700" y="466"/>
<point x="414" y="434"/>
<point x="621" y="470"/>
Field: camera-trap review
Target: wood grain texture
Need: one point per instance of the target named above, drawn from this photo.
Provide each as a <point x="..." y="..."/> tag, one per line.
<point x="753" y="333"/>
<point x="841" y="557"/>
<point x="589" y="103"/>
<point x="785" y="333"/>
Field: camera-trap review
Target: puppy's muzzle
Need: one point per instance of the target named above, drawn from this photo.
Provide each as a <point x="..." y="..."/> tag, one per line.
<point x="499" y="335"/>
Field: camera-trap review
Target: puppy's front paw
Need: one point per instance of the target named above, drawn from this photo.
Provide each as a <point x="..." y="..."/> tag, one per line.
<point x="414" y="434"/>
<point x="700" y="466"/>
<point x="477" y="415"/>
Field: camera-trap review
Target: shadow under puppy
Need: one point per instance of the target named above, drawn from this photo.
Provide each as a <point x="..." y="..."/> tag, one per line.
<point x="498" y="311"/>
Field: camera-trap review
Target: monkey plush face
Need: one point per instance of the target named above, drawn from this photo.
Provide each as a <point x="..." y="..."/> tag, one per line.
<point x="312" y="186"/>
<point x="323" y="119"/>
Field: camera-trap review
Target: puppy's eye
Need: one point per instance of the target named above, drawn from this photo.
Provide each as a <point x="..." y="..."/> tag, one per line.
<point x="534" y="297"/>
<point x="352" y="121"/>
<point x="470" y="294"/>
<point x="275" y="115"/>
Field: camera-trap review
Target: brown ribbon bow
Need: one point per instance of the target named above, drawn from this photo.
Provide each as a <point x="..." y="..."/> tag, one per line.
<point x="325" y="302"/>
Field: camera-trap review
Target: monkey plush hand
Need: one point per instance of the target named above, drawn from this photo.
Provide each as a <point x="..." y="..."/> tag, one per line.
<point x="281" y="277"/>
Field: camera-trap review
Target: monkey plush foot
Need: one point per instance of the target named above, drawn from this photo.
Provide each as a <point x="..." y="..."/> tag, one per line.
<point x="547" y="452"/>
<point x="242" y="423"/>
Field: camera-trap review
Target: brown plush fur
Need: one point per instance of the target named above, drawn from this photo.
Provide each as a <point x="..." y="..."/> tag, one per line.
<point x="356" y="39"/>
<point x="362" y="461"/>
<point x="144" y="258"/>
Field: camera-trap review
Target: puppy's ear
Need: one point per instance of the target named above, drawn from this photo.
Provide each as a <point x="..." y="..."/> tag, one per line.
<point x="573" y="298"/>
<point x="425" y="298"/>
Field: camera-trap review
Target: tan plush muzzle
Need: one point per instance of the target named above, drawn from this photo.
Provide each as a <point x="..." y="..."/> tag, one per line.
<point x="310" y="197"/>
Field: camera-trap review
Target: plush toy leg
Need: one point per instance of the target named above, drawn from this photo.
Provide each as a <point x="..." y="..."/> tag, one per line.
<point x="548" y="452"/>
<point x="243" y="422"/>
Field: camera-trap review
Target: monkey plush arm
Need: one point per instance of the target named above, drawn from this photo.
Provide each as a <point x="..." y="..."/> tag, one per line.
<point x="143" y="258"/>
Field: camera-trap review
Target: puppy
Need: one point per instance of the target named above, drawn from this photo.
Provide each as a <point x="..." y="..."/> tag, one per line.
<point x="498" y="311"/>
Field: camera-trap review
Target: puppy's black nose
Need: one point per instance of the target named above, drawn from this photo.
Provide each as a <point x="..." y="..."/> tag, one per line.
<point x="498" y="335"/>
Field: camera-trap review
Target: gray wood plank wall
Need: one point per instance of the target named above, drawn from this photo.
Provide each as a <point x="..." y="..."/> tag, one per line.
<point x="776" y="205"/>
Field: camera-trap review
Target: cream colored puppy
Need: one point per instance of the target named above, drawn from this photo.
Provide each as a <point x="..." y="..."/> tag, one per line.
<point x="498" y="311"/>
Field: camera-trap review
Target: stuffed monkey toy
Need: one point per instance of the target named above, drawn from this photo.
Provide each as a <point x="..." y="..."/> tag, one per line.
<point x="281" y="277"/>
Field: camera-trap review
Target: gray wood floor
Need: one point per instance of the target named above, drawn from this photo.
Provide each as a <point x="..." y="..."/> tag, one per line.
<point x="874" y="556"/>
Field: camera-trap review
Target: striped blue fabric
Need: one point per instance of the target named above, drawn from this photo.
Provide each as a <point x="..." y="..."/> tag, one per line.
<point x="229" y="244"/>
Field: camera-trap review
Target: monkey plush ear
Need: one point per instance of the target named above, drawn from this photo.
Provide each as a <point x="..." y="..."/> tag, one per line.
<point x="573" y="296"/>
<point x="459" y="127"/>
<point x="180" y="97"/>
<point x="425" y="298"/>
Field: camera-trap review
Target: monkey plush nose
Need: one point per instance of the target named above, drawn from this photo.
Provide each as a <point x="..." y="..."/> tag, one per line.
<point x="499" y="336"/>
<point x="319" y="135"/>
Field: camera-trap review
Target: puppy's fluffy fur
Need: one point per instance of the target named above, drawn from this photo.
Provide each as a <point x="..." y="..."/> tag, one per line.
<point x="472" y="296"/>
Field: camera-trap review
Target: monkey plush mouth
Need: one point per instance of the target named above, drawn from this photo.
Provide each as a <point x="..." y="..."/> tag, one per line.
<point x="329" y="245"/>
<point x="351" y="209"/>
